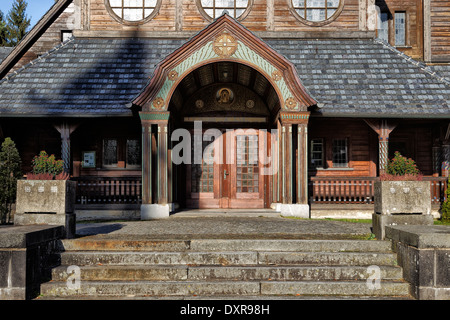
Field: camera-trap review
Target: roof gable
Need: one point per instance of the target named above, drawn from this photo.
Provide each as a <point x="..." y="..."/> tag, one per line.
<point x="27" y="42"/>
<point x="225" y="40"/>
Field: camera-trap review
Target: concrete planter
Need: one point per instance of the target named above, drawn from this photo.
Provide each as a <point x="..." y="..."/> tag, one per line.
<point x="46" y="202"/>
<point x="402" y="197"/>
<point x="401" y="203"/>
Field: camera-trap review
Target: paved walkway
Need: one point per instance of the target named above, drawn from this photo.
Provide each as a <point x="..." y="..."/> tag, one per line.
<point x="227" y="224"/>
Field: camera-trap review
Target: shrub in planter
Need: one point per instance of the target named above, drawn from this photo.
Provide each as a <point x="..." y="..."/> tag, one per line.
<point x="47" y="196"/>
<point x="46" y="167"/>
<point x="401" y="168"/>
<point x="401" y="197"/>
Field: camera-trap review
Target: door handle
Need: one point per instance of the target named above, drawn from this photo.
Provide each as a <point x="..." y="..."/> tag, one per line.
<point x="225" y="174"/>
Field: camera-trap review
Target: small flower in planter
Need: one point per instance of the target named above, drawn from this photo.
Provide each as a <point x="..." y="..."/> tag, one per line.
<point x="46" y="167"/>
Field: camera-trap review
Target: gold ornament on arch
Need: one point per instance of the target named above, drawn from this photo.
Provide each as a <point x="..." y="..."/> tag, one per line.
<point x="225" y="45"/>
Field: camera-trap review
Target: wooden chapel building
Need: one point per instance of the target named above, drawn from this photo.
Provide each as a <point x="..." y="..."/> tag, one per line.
<point x="298" y="103"/>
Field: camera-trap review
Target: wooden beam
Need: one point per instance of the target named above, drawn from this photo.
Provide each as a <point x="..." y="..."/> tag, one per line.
<point x="65" y="130"/>
<point x="383" y="128"/>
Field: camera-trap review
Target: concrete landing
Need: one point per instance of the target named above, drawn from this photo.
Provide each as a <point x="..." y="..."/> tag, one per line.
<point x="227" y="225"/>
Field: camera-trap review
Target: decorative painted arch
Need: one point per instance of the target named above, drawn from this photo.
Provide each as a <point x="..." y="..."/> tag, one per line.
<point x="225" y="40"/>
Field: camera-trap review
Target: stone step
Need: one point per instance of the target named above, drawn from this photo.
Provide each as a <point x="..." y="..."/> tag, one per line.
<point x="226" y="245"/>
<point x="227" y="258"/>
<point x="217" y="288"/>
<point x="241" y="273"/>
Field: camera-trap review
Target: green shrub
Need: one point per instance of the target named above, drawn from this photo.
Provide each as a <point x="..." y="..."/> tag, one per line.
<point x="10" y="172"/>
<point x="401" y="166"/>
<point x="445" y="208"/>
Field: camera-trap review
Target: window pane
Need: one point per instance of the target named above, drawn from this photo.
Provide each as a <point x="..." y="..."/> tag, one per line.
<point x="207" y="3"/>
<point x="333" y="3"/>
<point x="383" y="28"/>
<point x="400" y="28"/>
<point x="132" y="14"/>
<point x="150" y="3"/>
<point x="133" y="153"/>
<point x="215" y="8"/>
<point x="133" y="10"/>
<point x="109" y="152"/>
<point x="340" y="155"/>
<point x="315" y="14"/>
<point x="315" y="3"/>
<point x="241" y="3"/>
<point x="330" y="13"/>
<point x="133" y="3"/>
<point x="317" y="153"/>
<point x="298" y="3"/>
<point x="301" y="12"/>
<point x="115" y="3"/>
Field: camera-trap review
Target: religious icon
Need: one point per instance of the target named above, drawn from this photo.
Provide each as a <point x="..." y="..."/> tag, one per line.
<point x="225" y="96"/>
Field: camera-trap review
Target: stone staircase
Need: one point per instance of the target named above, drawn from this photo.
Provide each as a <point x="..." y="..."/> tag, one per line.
<point x="218" y="268"/>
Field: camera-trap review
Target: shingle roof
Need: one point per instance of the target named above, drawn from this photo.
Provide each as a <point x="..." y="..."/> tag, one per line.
<point x="366" y="78"/>
<point x="442" y="70"/>
<point x="351" y="78"/>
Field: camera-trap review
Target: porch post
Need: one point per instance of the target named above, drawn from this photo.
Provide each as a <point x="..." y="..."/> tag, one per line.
<point x="65" y="131"/>
<point x="302" y="164"/>
<point x="445" y="159"/>
<point x="383" y="129"/>
<point x="163" y="194"/>
<point x="155" y="202"/>
<point x="294" y="170"/>
<point x="146" y="163"/>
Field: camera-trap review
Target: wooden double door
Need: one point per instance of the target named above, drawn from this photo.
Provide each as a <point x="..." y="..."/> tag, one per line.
<point x="231" y="173"/>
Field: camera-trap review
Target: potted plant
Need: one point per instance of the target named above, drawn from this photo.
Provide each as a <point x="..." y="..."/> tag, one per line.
<point x="47" y="196"/>
<point x="401" y="196"/>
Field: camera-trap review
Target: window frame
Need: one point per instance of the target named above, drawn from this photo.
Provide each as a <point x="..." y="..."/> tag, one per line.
<point x="121" y="153"/>
<point x="346" y="164"/>
<point x="211" y="19"/>
<point x="316" y="23"/>
<point x="322" y="153"/>
<point x="387" y="24"/>
<point x="117" y="153"/>
<point x="405" y="29"/>
<point x="139" y="164"/>
<point x="111" y="12"/>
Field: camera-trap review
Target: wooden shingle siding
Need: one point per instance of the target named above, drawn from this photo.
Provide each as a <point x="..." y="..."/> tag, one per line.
<point x="440" y="30"/>
<point x="192" y="20"/>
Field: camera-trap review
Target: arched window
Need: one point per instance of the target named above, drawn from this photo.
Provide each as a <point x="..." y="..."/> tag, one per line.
<point x="133" y="11"/>
<point x="212" y="9"/>
<point x="316" y="12"/>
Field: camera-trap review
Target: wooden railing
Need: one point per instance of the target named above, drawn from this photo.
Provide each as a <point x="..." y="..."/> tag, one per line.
<point x="108" y="190"/>
<point x="341" y="190"/>
<point x="348" y="190"/>
<point x="438" y="188"/>
<point x="345" y="190"/>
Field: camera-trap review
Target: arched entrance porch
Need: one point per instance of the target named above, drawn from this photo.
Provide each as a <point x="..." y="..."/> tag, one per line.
<point x="226" y="79"/>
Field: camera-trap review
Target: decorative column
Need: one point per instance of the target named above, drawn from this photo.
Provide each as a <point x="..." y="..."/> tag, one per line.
<point x="445" y="158"/>
<point x="383" y="129"/>
<point x="155" y="202"/>
<point x="302" y="163"/>
<point x="65" y="129"/>
<point x="294" y="169"/>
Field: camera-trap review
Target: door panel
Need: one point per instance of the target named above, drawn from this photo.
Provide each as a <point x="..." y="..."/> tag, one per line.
<point x="235" y="181"/>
